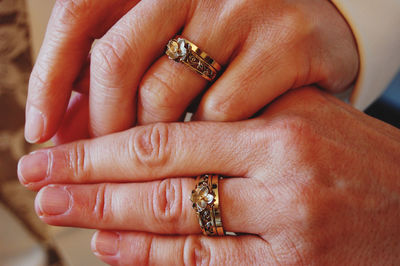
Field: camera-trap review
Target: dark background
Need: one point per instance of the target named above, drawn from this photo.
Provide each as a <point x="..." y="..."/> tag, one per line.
<point x="387" y="107"/>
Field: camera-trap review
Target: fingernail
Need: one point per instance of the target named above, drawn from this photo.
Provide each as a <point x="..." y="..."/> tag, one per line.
<point x="53" y="200"/>
<point x="33" y="167"/>
<point x="34" y="124"/>
<point x="106" y="243"/>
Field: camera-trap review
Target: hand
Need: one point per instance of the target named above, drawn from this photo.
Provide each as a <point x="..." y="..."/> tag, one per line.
<point x="281" y="44"/>
<point x="313" y="181"/>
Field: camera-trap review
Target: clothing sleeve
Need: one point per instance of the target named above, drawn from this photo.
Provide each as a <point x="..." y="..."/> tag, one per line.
<point x="376" y="27"/>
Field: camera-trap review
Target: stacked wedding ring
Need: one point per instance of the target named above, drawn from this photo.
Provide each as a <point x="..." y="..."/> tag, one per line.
<point x="186" y="52"/>
<point x="205" y="201"/>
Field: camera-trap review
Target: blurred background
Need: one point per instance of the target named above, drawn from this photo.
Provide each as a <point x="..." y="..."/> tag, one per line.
<point x="24" y="239"/>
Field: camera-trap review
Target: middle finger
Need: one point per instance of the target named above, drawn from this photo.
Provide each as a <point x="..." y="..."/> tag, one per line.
<point x="120" y="58"/>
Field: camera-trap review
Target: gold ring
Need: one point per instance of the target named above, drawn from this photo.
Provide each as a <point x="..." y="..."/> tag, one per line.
<point x="206" y="204"/>
<point x="186" y="52"/>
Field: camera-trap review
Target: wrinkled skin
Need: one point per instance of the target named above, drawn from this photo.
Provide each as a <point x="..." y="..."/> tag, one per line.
<point x="313" y="182"/>
<point x="266" y="47"/>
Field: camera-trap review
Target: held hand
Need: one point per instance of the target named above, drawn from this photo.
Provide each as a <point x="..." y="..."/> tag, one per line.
<point x="313" y="181"/>
<point x="266" y="48"/>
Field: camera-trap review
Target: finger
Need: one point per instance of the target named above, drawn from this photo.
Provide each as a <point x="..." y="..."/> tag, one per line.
<point x="169" y="87"/>
<point x="165" y="92"/>
<point x="162" y="207"/>
<point x="125" y="248"/>
<point x="151" y="152"/>
<point x="121" y="57"/>
<point x="249" y="84"/>
<point x="75" y="123"/>
<point x="72" y="27"/>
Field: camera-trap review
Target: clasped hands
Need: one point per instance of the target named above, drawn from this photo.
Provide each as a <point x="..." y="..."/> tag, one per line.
<point x="311" y="180"/>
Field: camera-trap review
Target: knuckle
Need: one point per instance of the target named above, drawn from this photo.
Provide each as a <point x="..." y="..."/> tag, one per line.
<point x="146" y="257"/>
<point x="78" y="162"/>
<point x="294" y="15"/>
<point x="294" y="133"/>
<point x="108" y="57"/>
<point x="167" y="204"/>
<point x="158" y="91"/>
<point x="288" y="24"/>
<point x="336" y="77"/>
<point x="149" y="145"/>
<point x="196" y="252"/>
<point x="100" y="208"/>
<point x="293" y="126"/>
<point x="73" y="9"/>
<point x="303" y="101"/>
<point x="330" y="77"/>
<point x="142" y="248"/>
<point x="221" y="110"/>
<point x="298" y="144"/>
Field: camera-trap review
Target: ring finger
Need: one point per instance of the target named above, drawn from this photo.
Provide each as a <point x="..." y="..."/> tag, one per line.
<point x="120" y="60"/>
<point x="168" y="87"/>
<point x="161" y="207"/>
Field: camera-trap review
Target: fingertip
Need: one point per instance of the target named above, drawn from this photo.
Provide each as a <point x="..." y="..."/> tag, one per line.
<point x="33" y="168"/>
<point x="37" y="202"/>
<point x="93" y="243"/>
<point x="106" y="245"/>
<point x="20" y="176"/>
<point x="34" y="124"/>
<point x="40" y="126"/>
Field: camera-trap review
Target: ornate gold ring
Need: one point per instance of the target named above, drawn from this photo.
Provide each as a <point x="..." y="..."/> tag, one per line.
<point x="205" y="201"/>
<point x="186" y="52"/>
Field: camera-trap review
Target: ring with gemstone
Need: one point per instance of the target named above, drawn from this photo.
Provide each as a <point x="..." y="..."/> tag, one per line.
<point x="205" y="201"/>
<point x="186" y="52"/>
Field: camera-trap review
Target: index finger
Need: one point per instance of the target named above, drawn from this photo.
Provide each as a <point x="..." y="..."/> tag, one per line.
<point x="72" y="28"/>
<point x="148" y="153"/>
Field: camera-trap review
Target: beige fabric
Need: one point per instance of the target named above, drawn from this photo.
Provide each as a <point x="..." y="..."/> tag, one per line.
<point x="376" y="26"/>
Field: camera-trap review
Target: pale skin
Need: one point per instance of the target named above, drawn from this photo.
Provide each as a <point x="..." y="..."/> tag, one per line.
<point x="313" y="181"/>
<point x="266" y="48"/>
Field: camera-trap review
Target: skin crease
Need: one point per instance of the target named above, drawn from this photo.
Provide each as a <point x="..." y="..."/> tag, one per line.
<point x="284" y="44"/>
<point x="320" y="185"/>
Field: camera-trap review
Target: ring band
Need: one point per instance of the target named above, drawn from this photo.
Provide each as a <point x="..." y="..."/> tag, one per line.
<point x="186" y="52"/>
<point x="205" y="199"/>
